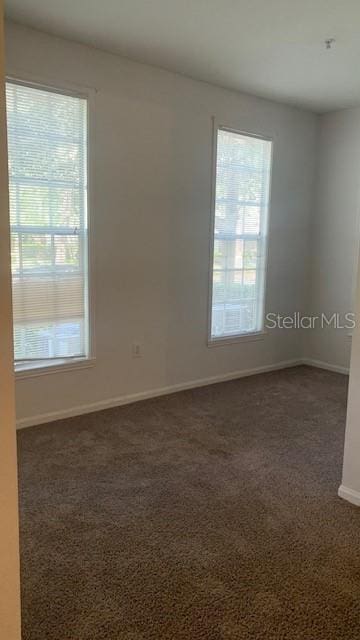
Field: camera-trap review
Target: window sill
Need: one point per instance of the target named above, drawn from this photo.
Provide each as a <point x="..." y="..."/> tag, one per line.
<point x="54" y="366"/>
<point x="246" y="337"/>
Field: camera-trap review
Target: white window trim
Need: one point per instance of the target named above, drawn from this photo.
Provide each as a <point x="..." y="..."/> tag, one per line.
<point x="53" y="366"/>
<point x="254" y="335"/>
<point x="45" y="367"/>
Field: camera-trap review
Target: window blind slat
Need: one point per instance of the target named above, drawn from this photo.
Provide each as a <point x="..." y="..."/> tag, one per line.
<point x="47" y="150"/>
<point x="241" y="207"/>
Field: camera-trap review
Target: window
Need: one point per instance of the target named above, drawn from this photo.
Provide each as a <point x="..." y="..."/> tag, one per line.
<point x="47" y="147"/>
<point x="241" y="202"/>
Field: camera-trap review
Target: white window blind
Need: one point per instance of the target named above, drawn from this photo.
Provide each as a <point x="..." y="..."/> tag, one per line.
<point x="47" y="147"/>
<point x="243" y="166"/>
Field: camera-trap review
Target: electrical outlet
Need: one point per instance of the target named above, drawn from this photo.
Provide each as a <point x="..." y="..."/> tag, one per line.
<point x="136" y="350"/>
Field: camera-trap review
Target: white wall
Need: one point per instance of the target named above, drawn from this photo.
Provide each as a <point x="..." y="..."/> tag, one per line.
<point x="350" y="487"/>
<point x="335" y="248"/>
<point x="151" y="220"/>
<point x="335" y="232"/>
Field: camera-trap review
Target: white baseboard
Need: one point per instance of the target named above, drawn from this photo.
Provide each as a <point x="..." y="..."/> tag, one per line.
<point x="319" y="364"/>
<point x="162" y="391"/>
<point x="349" y="494"/>
<point x="151" y="393"/>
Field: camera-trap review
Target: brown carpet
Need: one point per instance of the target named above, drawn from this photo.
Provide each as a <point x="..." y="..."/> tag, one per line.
<point x="209" y="514"/>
